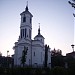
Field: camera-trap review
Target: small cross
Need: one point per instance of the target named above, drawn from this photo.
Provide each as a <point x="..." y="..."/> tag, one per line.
<point x="39" y="25"/>
<point x="27" y="3"/>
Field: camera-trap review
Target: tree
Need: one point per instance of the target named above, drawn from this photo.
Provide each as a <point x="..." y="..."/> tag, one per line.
<point x="46" y="55"/>
<point x="70" y="59"/>
<point x="23" y="58"/>
<point x="57" y="58"/>
<point x="56" y="52"/>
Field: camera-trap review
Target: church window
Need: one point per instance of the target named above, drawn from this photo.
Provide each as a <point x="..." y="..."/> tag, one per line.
<point x="25" y="32"/>
<point x="24" y="19"/>
<point x="41" y="39"/>
<point x="27" y="48"/>
<point x="30" y="20"/>
<point x="34" y="53"/>
<point x="29" y="33"/>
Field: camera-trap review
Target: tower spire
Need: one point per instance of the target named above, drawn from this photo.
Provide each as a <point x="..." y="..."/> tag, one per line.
<point x="39" y="29"/>
<point x="27" y="6"/>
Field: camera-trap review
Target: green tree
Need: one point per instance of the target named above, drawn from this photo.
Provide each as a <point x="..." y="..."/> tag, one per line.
<point x="46" y="55"/>
<point x="57" y="58"/>
<point x="23" y="58"/>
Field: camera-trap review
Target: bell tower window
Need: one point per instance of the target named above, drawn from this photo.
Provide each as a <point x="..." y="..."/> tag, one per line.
<point x="24" y="19"/>
<point x="34" y="53"/>
<point x="30" y="20"/>
<point x="29" y="33"/>
<point x="25" y="32"/>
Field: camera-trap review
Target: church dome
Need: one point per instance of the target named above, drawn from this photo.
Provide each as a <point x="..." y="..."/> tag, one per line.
<point x="39" y="34"/>
<point x="39" y="37"/>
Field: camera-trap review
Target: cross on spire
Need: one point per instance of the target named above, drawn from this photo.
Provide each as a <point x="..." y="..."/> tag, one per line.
<point x="39" y="25"/>
<point x="39" y="29"/>
<point x="27" y="6"/>
<point x="27" y="3"/>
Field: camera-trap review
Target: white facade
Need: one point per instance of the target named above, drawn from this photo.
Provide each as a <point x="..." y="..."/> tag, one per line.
<point x="36" y="47"/>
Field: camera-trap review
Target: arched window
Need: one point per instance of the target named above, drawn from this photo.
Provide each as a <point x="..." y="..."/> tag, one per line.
<point x="34" y="53"/>
<point x="25" y="32"/>
<point x="30" y="20"/>
<point x="24" y="19"/>
<point x="29" y="33"/>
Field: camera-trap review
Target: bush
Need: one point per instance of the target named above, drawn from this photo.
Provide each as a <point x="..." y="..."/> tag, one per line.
<point x="37" y="71"/>
<point x="59" y="71"/>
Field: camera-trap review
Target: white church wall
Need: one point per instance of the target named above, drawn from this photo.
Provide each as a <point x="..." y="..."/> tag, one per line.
<point x="37" y="55"/>
<point x="18" y="54"/>
<point x="37" y="42"/>
<point x="15" y="56"/>
<point x="28" y="56"/>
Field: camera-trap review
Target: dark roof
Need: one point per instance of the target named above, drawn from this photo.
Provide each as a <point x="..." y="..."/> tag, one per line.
<point x="72" y="53"/>
<point x="39" y="35"/>
<point x="26" y="12"/>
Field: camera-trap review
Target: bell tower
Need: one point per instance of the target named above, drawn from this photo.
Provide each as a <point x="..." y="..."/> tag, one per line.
<point x="26" y="24"/>
<point x="24" y="38"/>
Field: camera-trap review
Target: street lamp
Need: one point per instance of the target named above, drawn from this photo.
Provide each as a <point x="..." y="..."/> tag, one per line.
<point x="7" y="59"/>
<point x="73" y="47"/>
<point x="7" y="53"/>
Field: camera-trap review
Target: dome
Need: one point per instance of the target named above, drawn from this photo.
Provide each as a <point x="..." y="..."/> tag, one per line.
<point x="39" y="35"/>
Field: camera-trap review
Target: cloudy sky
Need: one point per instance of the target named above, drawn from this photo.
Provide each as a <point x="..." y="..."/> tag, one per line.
<point x="55" y="18"/>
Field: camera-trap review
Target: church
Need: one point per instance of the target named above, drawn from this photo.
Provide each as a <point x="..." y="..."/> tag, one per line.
<point x="35" y="48"/>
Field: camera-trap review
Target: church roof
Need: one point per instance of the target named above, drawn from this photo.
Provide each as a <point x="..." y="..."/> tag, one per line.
<point x="39" y="35"/>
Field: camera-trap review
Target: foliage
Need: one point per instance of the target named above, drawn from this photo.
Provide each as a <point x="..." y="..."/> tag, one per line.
<point x="46" y="55"/>
<point x="56" y="52"/>
<point x="59" y="71"/>
<point x="57" y="59"/>
<point x="23" y="58"/>
<point x="36" y="71"/>
<point x="71" y="62"/>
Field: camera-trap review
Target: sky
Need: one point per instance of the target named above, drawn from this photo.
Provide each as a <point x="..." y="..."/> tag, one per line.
<point x="55" y="18"/>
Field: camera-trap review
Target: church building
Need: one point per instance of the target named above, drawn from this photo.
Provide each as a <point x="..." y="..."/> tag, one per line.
<point x="35" y="48"/>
